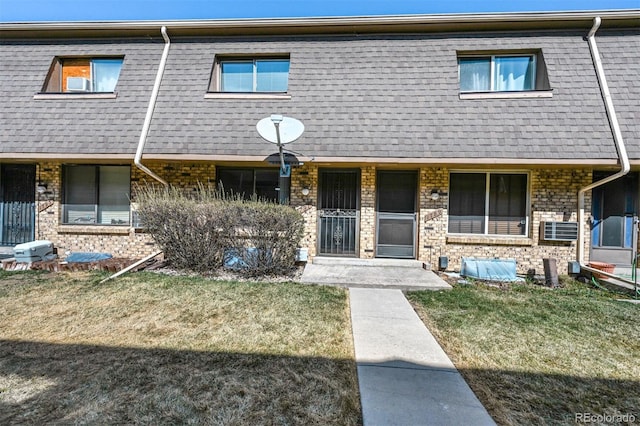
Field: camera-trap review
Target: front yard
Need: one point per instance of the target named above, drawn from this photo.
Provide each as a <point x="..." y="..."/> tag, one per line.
<point x="157" y="349"/>
<point x="539" y="356"/>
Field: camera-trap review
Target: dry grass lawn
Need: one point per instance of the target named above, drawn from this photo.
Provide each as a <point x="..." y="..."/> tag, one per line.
<point x="155" y="349"/>
<point x="538" y="356"/>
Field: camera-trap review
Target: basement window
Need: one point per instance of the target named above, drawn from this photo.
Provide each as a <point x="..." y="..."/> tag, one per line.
<point x="83" y="75"/>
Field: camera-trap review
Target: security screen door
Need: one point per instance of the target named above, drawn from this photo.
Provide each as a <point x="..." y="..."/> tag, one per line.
<point x="615" y="211"/>
<point x="339" y="212"/>
<point x="17" y="203"/>
<point x="396" y="214"/>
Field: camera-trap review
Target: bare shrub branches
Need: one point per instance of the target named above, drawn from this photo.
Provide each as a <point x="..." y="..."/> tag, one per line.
<point x="206" y="229"/>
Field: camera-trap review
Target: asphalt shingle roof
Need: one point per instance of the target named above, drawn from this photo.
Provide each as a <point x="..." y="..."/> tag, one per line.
<point x="369" y="95"/>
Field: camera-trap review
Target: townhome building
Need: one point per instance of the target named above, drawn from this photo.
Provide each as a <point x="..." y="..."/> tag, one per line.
<point x="425" y="136"/>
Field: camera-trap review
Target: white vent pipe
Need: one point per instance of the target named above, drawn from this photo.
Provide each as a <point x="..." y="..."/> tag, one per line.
<point x="617" y="137"/>
<point x="151" y="108"/>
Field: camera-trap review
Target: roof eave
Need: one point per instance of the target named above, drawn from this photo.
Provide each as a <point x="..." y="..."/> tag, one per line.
<point x="328" y="25"/>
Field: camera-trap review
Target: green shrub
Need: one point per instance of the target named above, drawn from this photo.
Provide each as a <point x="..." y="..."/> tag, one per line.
<point x="206" y="229"/>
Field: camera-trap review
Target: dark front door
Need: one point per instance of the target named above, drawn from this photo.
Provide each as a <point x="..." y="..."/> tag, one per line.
<point x="339" y="212"/>
<point x="396" y="214"/>
<point x="614" y="227"/>
<point x="17" y="203"/>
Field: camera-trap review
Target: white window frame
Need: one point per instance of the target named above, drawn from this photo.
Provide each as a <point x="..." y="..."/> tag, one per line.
<point x="254" y="62"/>
<point x="488" y="175"/>
<point x="492" y="66"/>
<point x="92" y="67"/>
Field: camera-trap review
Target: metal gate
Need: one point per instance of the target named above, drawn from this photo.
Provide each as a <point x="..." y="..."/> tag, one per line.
<point x="339" y="213"/>
<point x="17" y="203"/>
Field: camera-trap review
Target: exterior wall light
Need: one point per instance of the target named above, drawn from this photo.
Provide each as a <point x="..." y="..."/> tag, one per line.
<point x="305" y="191"/>
<point x="435" y="195"/>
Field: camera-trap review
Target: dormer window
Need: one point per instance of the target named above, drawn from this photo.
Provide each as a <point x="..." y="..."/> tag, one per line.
<point x="504" y="72"/>
<point x="83" y="75"/>
<point x="250" y="75"/>
<point x="497" y="73"/>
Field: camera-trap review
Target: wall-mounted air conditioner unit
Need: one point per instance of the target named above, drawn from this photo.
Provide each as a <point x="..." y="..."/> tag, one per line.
<point x="78" y="84"/>
<point x="559" y="231"/>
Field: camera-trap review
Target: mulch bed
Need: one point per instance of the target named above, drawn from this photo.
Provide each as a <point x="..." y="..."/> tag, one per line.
<point x="157" y="264"/>
<point x="56" y="265"/>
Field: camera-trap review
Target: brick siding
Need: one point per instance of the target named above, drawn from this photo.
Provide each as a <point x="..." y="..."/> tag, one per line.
<point x="553" y="197"/>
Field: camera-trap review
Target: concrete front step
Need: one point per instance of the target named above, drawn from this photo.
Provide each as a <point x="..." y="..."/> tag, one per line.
<point x="382" y="262"/>
<point x="372" y="273"/>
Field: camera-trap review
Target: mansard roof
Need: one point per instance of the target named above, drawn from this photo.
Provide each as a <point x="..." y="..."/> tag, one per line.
<point x="379" y="89"/>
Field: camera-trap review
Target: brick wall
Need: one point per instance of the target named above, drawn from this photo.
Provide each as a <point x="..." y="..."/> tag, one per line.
<point x="120" y="241"/>
<point x="306" y="177"/>
<point x="367" y="211"/>
<point x="432" y="218"/>
<point x="48" y="202"/>
<point x="182" y="175"/>
<point x="553" y="198"/>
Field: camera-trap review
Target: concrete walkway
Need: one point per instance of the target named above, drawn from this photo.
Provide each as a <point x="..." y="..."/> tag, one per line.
<point x="405" y="377"/>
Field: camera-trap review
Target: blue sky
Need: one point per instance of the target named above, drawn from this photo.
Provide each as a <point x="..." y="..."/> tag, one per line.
<point x="108" y="10"/>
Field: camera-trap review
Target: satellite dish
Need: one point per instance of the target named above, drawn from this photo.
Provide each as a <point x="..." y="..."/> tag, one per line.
<point x="289" y="128"/>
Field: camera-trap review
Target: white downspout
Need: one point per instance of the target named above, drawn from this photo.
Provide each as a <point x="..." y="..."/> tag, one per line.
<point x="150" y="109"/>
<point x="617" y="137"/>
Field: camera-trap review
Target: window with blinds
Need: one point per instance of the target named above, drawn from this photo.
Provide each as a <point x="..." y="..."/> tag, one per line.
<point x="488" y="203"/>
<point x="96" y="195"/>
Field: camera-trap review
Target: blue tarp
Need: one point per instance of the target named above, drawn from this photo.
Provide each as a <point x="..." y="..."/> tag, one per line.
<point x="245" y="257"/>
<point x="489" y="269"/>
<point x="87" y="257"/>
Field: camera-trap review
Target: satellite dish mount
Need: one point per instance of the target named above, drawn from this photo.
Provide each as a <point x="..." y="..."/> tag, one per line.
<point x="280" y="130"/>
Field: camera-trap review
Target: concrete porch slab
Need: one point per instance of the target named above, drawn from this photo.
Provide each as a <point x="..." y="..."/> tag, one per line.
<point x="353" y="261"/>
<point x="372" y="273"/>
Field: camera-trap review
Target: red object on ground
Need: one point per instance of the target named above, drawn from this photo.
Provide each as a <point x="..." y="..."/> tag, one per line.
<point x="603" y="266"/>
